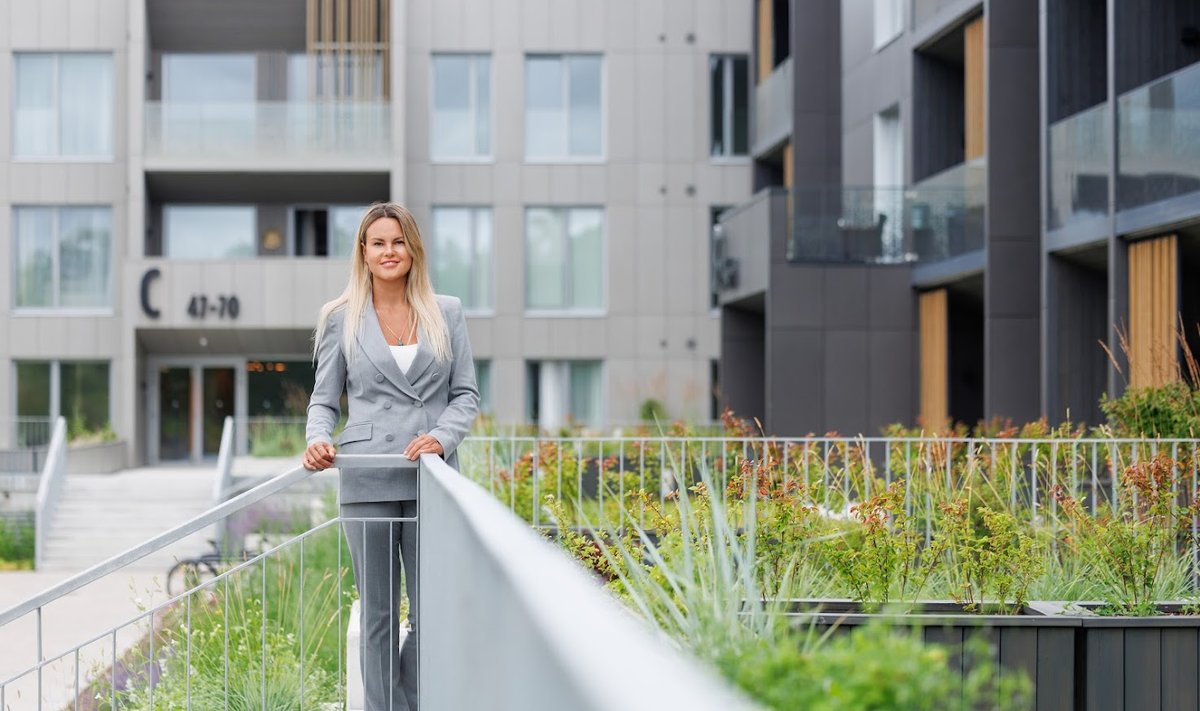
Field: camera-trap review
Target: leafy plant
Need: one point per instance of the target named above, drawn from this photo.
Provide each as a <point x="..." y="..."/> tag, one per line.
<point x="16" y="544"/>
<point x="993" y="559"/>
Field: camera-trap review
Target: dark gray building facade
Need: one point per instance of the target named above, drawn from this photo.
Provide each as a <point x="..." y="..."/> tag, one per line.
<point x="960" y="206"/>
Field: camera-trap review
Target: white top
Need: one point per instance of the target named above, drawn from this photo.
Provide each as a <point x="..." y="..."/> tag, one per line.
<point x="404" y="356"/>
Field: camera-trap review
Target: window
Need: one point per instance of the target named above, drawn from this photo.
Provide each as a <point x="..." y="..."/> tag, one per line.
<point x="461" y="254"/>
<point x="483" y="379"/>
<point x="209" y="231"/>
<point x="325" y="231"/>
<point x="564" y="259"/>
<point x="209" y="78"/>
<point x="729" y="81"/>
<point x="562" y="392"/>
<point x="63" y="257"/>
<point x="462" y="99"/>
<point x="76" y="390"/>
<point x="889" y="21"/>
<point x="563" y="107"/>
<point x="63" y="106"/>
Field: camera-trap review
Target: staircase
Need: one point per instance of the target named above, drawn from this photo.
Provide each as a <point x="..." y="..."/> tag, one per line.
<point x="100" y="515"/>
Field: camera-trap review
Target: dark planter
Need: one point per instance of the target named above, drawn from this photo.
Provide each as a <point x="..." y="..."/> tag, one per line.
<point x="1135" y="663"/>
<point x="1075" y="658"/>
<point x="1036" y="642"/>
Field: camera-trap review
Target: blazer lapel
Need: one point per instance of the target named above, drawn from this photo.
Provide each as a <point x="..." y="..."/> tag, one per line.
<point x="370" y="338"/>
<point x="422" y="359"/>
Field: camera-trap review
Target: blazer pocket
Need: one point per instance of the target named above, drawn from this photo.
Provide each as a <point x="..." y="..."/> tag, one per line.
<point x="355" y="433"/>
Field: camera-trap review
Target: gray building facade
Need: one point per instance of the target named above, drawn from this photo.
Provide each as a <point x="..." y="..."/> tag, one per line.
<point x="943" y="230"/>
<point x="181" y="183"/>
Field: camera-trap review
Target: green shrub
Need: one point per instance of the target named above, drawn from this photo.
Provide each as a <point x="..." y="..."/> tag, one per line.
<point x="17" y="544"/>
<point x="1170" y="411"/>
<point x="652" y="410"/>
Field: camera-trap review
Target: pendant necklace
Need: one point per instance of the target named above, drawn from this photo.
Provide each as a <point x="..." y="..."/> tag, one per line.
<point x="399" y="340"/>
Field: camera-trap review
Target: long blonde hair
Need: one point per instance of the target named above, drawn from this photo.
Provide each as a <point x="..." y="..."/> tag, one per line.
<point x="418" y="289"/>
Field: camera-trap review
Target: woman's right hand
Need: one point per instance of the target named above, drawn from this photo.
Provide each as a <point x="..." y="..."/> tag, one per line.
<point x="319" y="456"/>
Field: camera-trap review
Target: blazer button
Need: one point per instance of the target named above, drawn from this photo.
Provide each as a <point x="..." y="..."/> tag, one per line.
<point x="379" y="377"/>
<point x="387" y="405"/>
<point x="390" y="438"/>
<point x="418" y="403"/>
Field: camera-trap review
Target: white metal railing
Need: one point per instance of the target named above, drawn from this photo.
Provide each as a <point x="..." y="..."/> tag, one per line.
<point x="531" y="629"/>
<point x="224" y="476"/>
<point x="50" y="488"/>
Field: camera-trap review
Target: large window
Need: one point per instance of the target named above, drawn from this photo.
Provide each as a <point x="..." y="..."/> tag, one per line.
<point x="62" y="257"/>
<point x="209" y="231"/>
<point x="563" y="107"/>
<point x="76" y="390"/>
<point x="562" y="392"/>
<point x="324" y="231"/>
<point x="564" y="259"/>
<point x="461" y="254"/>
<point x="729" y="83"/>
<point x="483" y="380"/>
<point x="889" y="21"/>
<point x="63" y="106"/>
<point x="462" y="99"/>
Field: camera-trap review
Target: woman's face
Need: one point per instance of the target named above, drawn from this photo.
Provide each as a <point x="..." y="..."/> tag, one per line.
<point x="385" y="250"/>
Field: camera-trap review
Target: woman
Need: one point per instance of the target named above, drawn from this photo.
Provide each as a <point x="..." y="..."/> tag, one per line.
<point x="402" y="356"/>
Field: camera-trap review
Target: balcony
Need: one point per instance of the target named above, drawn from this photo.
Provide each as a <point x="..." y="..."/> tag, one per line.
<point x="1077" y="156"/>
<point x="773" y="109"/>
<point x="1158" y="140"/>
<point x="741" y="248"/>
<point x="262" y="135"/>
<point x="936" y="219"/>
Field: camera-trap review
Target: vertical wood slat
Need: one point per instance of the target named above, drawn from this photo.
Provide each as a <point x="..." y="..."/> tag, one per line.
<point x="766" y="49"/>
<point x="934" y="359"/>
<point x="1054" y="678"/>
<point x="1153" y="309"/>
<point x="1018" y="650"/>
<point x="1143" y="667"/>
<point x="385" y="31"/>
<point x="1105" y="676"/>
<point x="952" y="639"/>
<point x="973" y="89"/>
<point x="1180" y="661"/>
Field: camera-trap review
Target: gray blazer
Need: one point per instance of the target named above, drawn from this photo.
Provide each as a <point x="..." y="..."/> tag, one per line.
<point x="388" y="408"/>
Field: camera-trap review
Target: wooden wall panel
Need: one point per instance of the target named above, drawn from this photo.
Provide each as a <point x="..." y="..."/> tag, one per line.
<point x="1153" y="311"/>
<point x="351" y="31"/>
<point x="766" y="43"/>
<point x="934" y="365"/>
<point x="973" y="87"/>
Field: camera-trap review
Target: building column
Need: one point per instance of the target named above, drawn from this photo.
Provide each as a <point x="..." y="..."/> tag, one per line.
<point x="1012" y="330"/>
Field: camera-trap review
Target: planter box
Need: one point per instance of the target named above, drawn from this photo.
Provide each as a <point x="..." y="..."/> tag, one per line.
<point x="1037" y="642"/>
<point x="100" y="458"/>
<point x="1075" y="658"/>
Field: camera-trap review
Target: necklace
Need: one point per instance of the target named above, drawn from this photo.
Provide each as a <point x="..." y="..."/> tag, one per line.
<point x="400" y="341"/>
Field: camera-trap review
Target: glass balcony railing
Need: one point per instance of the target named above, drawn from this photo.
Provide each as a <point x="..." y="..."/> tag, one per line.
<point x="1158" y="140"/>
<point x="267" y="132"/>
<point x="932" y="220"/>
<point x="1077" y="157"/>
<point x="773" y="107"/>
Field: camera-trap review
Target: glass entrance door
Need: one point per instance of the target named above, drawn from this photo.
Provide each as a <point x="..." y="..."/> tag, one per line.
<point x="217" y="404"/>
<point x="175" y="413"/>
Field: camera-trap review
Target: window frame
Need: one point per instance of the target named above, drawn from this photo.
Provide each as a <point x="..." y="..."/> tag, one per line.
<point x="568" y="311"/>
<point x="55" y="262"/>
<point x="568" y="159"/>
<point x="166" y="233"/>
<point x="57" y="156"/>
<point x="570" y="363"/>
<point x="473" y="211"/>
<point x="726" y="62"/>
<point x="475" y="159"/>
<point x="55" y="394"/>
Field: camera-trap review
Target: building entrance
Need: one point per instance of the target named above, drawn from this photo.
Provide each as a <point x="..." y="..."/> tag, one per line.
<point x="188" y="406"/>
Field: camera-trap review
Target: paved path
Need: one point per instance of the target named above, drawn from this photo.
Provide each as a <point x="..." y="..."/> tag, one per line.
<point x="67" y="622"/>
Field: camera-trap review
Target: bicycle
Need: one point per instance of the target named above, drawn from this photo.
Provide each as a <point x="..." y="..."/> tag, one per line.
<point x="189" y="573"/>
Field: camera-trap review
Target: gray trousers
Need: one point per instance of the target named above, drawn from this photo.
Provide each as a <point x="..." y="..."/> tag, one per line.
<point x="389" y="679"/>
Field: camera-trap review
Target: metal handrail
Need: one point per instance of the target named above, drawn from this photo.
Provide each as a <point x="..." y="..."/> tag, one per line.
<point x="197" y="523"/>
<point x="49" y="489"/>
<point x="224" y="463"/>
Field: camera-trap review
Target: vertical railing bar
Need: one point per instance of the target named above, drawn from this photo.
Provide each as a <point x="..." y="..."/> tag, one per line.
<point x="1175" y="472"/>
<point x="40" y="656"/>
<point x="558" y="456"/>
<point x="1195" y="520"/>
<point x="225" y="626"/>
<point x="391" y="600"/>
<point x="491" y="443"/>
<point x="340" y="636"/>
<point x="724" y="460"/>
<point x="642" y="483"/>
<point x="662" y="474"/>
<point x="908" y="477"/>
<point x="300" y="619"/>
<point x="1033" y="483"/>
<point x="75" y="706"/>
<point x="787" y="450"/>
<point x="512" y="481"/>
<point x="621" y="484"/>
<point x="262" y="610"/>
<point x="535" y="475"/>
<point x="187" y="657"/>
<point x="825" y="471"/>
<point x="153" y="662"/>
<point x="1095" y="467"/>
<point x="578" y="480"/>
<point x="867" y="469"/>
<point x="1114" y="476"/>
<point x="1012" y="478"/>
<point x="600" y="481"/>
<point x="928" y="493"/>
<point x="113" y="672"/>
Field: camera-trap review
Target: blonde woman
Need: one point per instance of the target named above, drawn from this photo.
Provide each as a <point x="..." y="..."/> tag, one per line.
<point x="402" y="356"/>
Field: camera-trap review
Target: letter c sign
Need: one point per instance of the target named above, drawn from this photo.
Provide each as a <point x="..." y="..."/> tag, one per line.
<point x="150" y="275"/>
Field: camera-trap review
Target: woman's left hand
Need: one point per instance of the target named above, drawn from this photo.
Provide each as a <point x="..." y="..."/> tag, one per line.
<point x="425" y="444"/>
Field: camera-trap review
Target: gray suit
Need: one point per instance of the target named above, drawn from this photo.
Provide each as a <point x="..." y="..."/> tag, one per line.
<point x="387" y="410"/>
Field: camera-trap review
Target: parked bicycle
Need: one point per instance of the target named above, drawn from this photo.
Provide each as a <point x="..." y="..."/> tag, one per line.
<point x="188" y="573"/>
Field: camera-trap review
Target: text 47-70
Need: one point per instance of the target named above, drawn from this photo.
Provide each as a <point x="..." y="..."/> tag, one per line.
<point x="221" y="306"/>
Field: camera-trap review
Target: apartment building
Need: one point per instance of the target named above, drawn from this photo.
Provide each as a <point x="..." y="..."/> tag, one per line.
<point x="182" y="183"/>
<point x="959" y="206"/>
